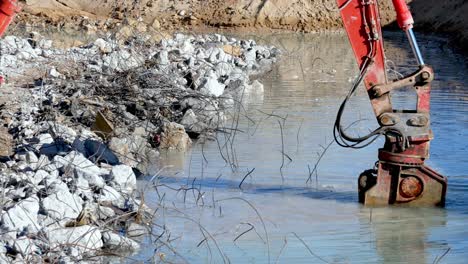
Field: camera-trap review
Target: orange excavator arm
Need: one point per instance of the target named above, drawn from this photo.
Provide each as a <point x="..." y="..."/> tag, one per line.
<point x="401" y="176"/>
<point x="8" y="10"/>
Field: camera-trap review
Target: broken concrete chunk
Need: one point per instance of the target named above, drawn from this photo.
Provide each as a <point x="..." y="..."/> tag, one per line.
<point x="82" y="167"/>
<point x="124" y="178"/>
<point x="61" y="131"/>
<point x="114" y="241"/>
<point x="162" y="58"/>
<point x="189" y="119"/>
<point x="39" y="176"/>
<point x="104" y="46"/>
<point x="25" y="246"/>
<point x="45" y="44"/>
<point x="122" y="60"/>
<point x="111" y="195"/>
<point x="86" y="237"/>
<point x="105" y="212"/>
<point x="211" y="86"/>
<point x="135" y="230"/>
<point x="44" y="139"/>
<point x="174" y="137"/>
<point x="121" y="147"/>
<point x="250" y="56"/>
<point x="22" y="215"/>
<point x="54" y="73"/>
<point x="62" y="205"/>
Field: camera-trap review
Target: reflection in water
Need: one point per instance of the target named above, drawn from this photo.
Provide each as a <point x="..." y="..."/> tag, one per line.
<point x="401" y="233"/>
<point x="305" y="89"/>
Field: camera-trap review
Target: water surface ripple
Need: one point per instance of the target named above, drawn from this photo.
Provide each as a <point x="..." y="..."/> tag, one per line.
<point x="305" y="90"/>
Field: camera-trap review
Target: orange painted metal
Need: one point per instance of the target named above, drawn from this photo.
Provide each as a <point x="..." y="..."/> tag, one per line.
<point x="367" y="40"/>
<point x="401" y="176"/>
<point x="8" y="10"/>
<point x="404" y="17"/>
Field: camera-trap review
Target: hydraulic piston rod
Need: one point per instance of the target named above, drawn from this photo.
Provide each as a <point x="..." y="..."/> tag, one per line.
<point x="405" y="21"/>
<point x="414" y="46"/>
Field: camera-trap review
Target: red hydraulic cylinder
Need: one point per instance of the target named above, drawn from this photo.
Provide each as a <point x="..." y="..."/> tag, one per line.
<point x="405" y="21"/>
<point x="8" y="9"/>
<point x="404" y="17"/>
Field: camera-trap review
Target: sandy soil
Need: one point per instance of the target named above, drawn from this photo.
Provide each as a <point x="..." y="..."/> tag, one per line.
<point x="298" y="15"/>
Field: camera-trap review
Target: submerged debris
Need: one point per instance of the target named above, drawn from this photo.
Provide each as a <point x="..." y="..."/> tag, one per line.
<point x="92" y="118"/>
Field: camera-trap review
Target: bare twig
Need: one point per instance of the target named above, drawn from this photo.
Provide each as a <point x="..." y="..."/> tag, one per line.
<point x="259" y="216"/>
<point x="245" y="177"/>
<point x="439" y="258"/>
<point x="308" y="249"/>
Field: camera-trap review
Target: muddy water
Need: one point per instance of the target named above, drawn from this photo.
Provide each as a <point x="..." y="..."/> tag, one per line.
<point x="303" y="218"/>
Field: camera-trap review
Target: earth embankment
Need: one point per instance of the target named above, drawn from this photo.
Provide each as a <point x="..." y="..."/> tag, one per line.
<point x="298" y="15"/>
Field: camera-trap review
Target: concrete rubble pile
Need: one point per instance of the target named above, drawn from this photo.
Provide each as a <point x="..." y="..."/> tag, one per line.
<point x="91" y="118"/>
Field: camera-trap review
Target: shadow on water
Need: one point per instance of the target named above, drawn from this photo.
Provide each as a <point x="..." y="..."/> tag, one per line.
<point x="223" y="184"/>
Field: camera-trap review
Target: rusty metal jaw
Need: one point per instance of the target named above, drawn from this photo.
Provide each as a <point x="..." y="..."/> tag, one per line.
<point x="404" y="185"/>
<point x="402" y="178"/>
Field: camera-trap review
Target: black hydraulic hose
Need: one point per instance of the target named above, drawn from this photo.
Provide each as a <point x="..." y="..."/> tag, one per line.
<point x="339" y="134"/>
